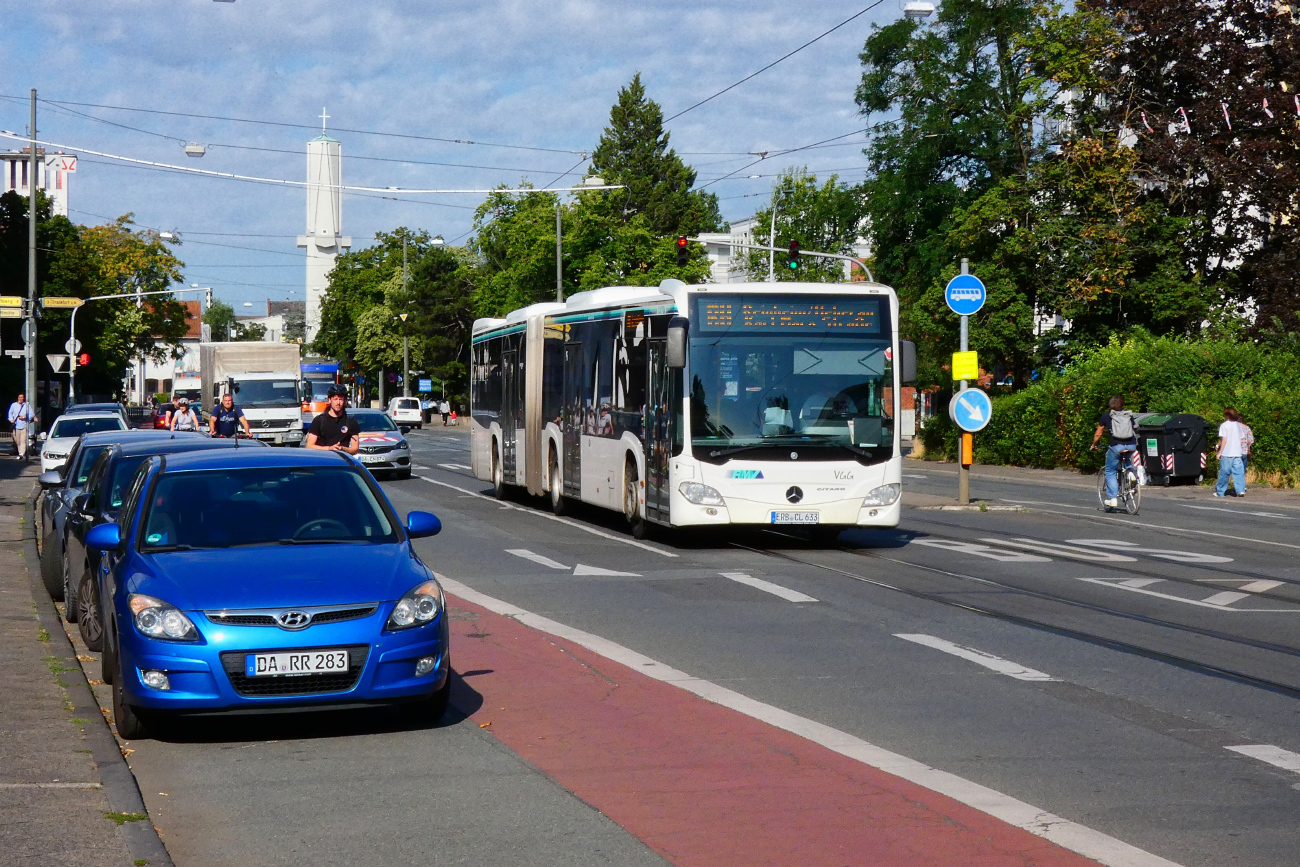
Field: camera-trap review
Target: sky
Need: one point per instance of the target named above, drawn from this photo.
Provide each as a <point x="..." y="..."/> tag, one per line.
<point x="522" y="89"/>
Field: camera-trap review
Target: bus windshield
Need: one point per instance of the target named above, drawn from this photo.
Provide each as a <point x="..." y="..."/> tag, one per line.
<point x="769" y="375"/>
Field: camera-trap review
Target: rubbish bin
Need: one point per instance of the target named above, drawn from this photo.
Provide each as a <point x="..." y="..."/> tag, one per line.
<point x="1172" y="445"/>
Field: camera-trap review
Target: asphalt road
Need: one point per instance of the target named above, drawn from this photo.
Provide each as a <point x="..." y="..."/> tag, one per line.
<point x="1101" y="667"/>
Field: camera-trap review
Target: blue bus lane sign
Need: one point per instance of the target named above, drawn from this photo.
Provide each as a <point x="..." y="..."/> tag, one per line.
<point x="971" y="410"/>
<point x="965" y="294"/>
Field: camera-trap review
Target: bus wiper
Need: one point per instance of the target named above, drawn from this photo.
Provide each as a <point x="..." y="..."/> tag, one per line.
<point x="735" y="450"/>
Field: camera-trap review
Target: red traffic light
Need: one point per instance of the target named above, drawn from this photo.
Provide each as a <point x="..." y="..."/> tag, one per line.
<point x="83" y="359"/>
<point x="681" y="242"/>
<point x="683" y="251"/>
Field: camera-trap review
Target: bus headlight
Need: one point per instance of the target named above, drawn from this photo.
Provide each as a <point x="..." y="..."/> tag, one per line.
<point x="701" y="494"/>
<point x="885" y="495"/>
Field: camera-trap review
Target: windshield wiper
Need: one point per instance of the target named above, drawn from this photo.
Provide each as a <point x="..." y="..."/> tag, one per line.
<point x="315" y="541"/>
<point x="162" y="549"/>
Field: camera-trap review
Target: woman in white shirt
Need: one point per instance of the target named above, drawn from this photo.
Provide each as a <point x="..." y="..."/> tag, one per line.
<point x="1231" y="452"/>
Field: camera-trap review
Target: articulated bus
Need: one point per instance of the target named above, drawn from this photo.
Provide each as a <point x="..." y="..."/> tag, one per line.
<point x="700" y="405"/>
<point x="317" y="377"/>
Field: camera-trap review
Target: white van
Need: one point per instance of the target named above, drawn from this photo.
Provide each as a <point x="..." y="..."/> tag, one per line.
<point x="406" y="410"/>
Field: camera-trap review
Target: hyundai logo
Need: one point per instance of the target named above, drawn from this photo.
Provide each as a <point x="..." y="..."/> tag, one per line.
<point x="293" y="619"/>
<point x="795" y="494"/>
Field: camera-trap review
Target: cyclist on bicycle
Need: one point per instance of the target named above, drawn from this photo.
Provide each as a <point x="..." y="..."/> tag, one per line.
<point x="1118" y="423"/>
<point x="226" y="418"/>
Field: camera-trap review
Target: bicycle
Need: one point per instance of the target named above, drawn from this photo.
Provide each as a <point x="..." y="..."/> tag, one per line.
<point x="1130" y="490"/>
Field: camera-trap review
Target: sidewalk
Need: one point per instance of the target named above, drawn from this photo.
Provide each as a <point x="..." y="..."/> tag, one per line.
<point x="66" y="794"/>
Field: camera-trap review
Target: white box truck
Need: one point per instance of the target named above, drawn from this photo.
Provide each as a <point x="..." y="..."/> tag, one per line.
<point x="266" y="382"/>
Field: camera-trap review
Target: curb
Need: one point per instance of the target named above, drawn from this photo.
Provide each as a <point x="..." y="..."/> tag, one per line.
<point x="142" y="840"/>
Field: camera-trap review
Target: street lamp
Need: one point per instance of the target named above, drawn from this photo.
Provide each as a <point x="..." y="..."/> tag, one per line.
<point x="918" y="10"/>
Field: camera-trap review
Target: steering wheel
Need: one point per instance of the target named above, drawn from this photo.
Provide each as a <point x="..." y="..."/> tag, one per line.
<point x="321" y="524"/>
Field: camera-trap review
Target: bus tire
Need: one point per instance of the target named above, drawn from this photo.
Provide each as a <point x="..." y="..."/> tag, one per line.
<point x="558" y="505"/>
<point x="498" y="475"/>
<point x="632" y="500"/>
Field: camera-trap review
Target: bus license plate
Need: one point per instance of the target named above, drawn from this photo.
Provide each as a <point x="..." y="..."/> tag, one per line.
<point x="796" y="517"/>
<point x="298" y="662"/>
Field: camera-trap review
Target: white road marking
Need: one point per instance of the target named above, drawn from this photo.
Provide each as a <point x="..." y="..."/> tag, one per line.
<point x="1262" y="586"/>
<point x="979" y="657"/>
<point x="1239" y="512"/>
<point x="1227" y="597"/>
<point x="1275" y="756"/>
<point x="1037" y="821"/>
<point x="1124" y="585"/>
<point x="583" y="527"/>
<point x="981" y="550"/>
<point x="768" y="587"/>
<point x="1064" y="550"/>
<point x="51" y="786"/>
<point x="1140" y="582"/>
<point x="914" y="476"/>
<point x="596" y="571"/>
<point x="451" y="467"/>
<point x="1046" y="503"/>
<point x="1162" y="553"/>
<point x="536" y="558"/>
<point x="1131" y="523"/>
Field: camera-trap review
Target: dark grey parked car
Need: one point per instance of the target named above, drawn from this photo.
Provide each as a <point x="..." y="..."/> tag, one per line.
<point x="59" y="486"/>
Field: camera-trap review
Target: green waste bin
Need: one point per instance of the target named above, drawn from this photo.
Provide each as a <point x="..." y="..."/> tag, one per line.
<point x="1172" y="446"/>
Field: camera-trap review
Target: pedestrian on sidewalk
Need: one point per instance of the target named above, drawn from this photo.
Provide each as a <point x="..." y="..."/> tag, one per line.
<point x="21" y="418"/>
<point x="445" y="409"/>
<point x="1231" y="452"/>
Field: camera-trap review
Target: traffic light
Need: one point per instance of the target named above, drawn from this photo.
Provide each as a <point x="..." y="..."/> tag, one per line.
<point x="794" y="255"/>
<point x="683" y="252"/>
<point x="209" y="298"/>
<point x="83" y="359"/>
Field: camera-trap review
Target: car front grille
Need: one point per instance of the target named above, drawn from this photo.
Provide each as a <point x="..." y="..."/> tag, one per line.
<point x="374" y="450"/>
<point x="267" y="618"/>
<point x="293" y="684"/>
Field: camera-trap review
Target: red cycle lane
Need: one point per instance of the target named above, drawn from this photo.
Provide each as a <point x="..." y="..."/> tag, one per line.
<point x="702" y="784"/>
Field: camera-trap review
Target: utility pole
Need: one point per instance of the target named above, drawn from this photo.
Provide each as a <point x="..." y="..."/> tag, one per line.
<point x="771" y="242"/>
<point x="31" y="262"/>
<point x="963" y="468"/>
<point x="406" y="338"/>
<point x="559" y="258"/>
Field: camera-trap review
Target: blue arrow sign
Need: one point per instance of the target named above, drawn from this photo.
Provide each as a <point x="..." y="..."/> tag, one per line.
<point x="971" y="410"/>
<point x="965" y="294"/>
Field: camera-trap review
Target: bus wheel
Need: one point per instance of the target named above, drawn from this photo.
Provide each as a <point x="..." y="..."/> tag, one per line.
<point x="498" y="477"/>
<point x="557" y="485"/>
<point x="631" y="501"/>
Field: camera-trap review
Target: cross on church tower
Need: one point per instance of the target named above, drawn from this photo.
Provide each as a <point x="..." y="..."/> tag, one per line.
<point x="323" y="117"/>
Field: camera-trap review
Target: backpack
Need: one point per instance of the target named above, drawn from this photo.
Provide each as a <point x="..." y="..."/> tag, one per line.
<point x="1121" y="424"/>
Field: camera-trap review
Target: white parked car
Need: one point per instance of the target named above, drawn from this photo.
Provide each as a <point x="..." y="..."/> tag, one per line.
<point x="406" y="410"/>
<point x="67" y="428"/>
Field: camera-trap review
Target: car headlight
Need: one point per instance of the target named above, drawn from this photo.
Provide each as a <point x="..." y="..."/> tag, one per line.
<point x="419" y="606"/>
<point x="885" y="495"/>
<point x="700" y="494"/>
<point x="403" y="445"/>
<point x="293" y="434"/>
<point x="157" y="619"/>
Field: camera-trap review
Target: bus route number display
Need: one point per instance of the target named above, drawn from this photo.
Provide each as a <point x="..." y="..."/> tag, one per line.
<point x="851" y="315"/>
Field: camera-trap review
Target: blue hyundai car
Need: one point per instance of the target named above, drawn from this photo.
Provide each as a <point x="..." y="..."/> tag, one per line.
<point x="266" y="579"/>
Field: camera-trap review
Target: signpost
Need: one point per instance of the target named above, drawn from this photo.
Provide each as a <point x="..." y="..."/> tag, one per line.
<point x="57" y="361"/>
<point x="11" y="301"/>
<point x="965" y="295"/>
<point x="426" y="385"/>
<point x="72" y="345"/>
<point x="970" y="410"/>
<point x="61" y="303"/>
<point x="11" y="313"/>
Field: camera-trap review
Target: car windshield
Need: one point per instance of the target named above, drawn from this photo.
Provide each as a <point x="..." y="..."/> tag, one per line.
<point x="266" y="392"/>
<point x="74" y="427"/>
<point x="263" y="506"/>
<point x="807" y="372"/>
<point x="375" y="421"/>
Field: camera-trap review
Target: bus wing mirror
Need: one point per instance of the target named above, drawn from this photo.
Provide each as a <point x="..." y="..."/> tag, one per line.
<point x="675" y="351"/>
<point x="906" y="362"/>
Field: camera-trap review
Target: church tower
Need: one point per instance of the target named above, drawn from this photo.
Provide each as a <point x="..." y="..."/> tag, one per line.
<point x="324" y="239"/>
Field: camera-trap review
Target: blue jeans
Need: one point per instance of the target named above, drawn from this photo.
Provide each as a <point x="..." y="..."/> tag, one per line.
<point x="1114" y="456"/>
<point x="1234" y="468"/>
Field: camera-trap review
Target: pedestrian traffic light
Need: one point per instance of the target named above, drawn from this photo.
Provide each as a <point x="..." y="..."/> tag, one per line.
<point x="794" y="255"/>
<point x="83" y="359"/>
<point x="683" y="252"/>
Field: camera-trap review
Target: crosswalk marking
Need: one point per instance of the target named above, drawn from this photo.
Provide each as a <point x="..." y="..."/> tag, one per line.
<point x="1275" y="756"/>
<point x="1227" y="597"/>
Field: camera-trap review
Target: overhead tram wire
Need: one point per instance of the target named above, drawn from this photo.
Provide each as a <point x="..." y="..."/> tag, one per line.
<point x="775" y="62"/>
<point x="774" y="154"/>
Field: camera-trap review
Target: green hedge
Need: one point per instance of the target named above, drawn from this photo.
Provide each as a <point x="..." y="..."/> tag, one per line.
<point x="1050" y="423"/>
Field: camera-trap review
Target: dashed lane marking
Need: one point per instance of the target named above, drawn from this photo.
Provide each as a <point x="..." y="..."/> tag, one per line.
<point x="768" y="587"/>
<point x="979" y="657"/>
<point x="536" y="558"/>
<point x="1129" y="522"/>
<point x="1227" y="597"/>
<point x="453" y="466"/>
<point x="1037" y="821"/>
<point x="583" y="527"/>
<point x="1240" y="512"/>
<point x="583" y="570"/>
<point x="55" y="785"/>
<point x="1275" y="756"/>
<point x="1219" y="601"/>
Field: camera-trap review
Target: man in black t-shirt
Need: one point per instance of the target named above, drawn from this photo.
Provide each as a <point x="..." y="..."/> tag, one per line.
<point x="334" y="429"/>
<point x="226" y="418"/>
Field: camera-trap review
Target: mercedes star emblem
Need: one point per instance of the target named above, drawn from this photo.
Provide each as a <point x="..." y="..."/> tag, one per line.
<point x="795" y="494"/>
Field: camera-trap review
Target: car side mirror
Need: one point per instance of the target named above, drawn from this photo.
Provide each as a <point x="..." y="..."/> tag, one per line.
<point x="40" y="437"/>
<point x="81" y="502"/>
<point x="906" y="362"/>
<point x="51" y="479"/>
<point x="420" y="524"/>
<point x="405" y="429"/>
<point x="675" y="351"/>
<point x="104" y="537"/>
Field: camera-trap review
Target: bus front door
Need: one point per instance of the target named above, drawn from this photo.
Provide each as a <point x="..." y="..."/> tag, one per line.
<point x="657" y="444"/>
<point x="573" y="420"/>
<point x="509" y="412"/>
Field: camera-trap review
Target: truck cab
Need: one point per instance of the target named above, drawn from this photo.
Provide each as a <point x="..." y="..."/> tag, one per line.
<point x="265" y="380"/>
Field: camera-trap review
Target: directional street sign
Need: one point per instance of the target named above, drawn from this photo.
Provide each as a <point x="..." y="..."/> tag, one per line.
<point x="58" y="362"/>
<point x="73" y="346"/>
<point x="10" y="313"/>
<point x="11" y="300"/>
<point x="61" y="302"/>
<point x="970" y="410"/>
<point x="965" y="294"/>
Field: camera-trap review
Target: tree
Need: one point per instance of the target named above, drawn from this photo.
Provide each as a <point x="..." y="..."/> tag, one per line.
<point x="514" y="238"/>
<point x="295" y="327"/>
<point x="221" y="319"/>
<point x="827" y="218"/>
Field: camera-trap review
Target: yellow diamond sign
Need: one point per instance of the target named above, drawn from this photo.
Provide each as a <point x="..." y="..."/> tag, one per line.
<point x="965" y="365"/>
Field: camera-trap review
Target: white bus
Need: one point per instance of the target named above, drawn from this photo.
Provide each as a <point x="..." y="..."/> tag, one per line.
<point x="700" y="405"/>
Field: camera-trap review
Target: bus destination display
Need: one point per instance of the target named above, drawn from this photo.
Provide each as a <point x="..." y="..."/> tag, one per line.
<point x="762" y="315"/>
